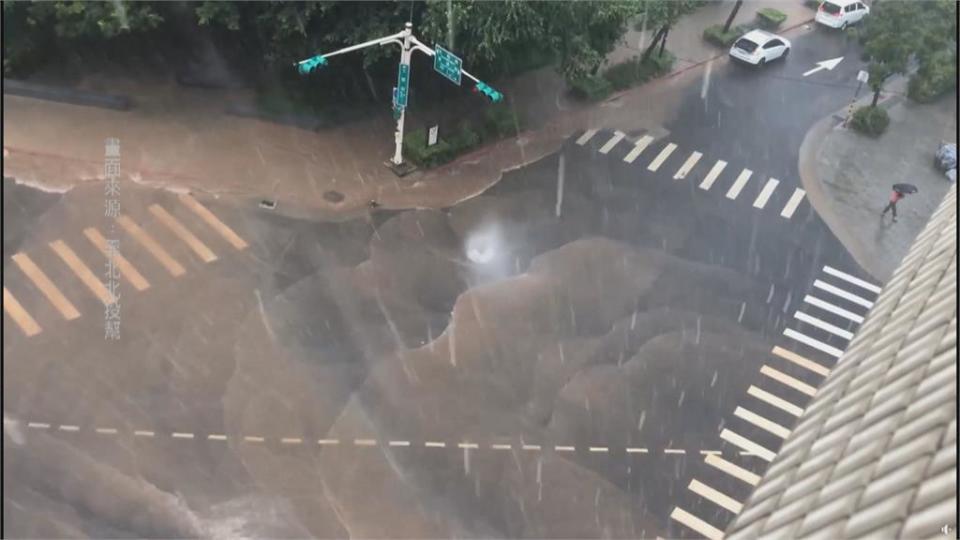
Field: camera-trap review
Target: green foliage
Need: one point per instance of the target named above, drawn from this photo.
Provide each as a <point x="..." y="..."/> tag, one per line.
<point x="652" y="18"/>
<point x="590" y="88"/>
<point x="415" y="148"/>
<point x="812" y="4"/>
<point x="936" y="77"/>
<point x="637" y="71"/>
<point x="870" y="120"/>
<point x="770" y="18"/>
<point x="714" y="34"/>
<point x="499" y="121"/>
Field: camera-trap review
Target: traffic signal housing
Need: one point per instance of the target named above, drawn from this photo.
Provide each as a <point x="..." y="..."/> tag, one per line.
<point x="310" y="64"/>
<point x="489" y="92"/>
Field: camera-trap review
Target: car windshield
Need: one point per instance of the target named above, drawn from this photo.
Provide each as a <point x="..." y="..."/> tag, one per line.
<point x="746" y="44"/>
<point x="832" y="9"/>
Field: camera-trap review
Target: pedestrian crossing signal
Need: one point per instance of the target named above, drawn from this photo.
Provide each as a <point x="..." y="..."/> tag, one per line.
<point x="310" y="64"/>
<point x="486" y="90"/>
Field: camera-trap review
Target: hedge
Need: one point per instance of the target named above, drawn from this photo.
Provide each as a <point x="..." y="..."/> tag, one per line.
<point x="770" y="18"/>
<point x="498" y="122"/>
<point x="870" y="120"/>
<point x="591" y="88"/>
<point x="635" y="71"/>
<point x="714" y="34"/>
<point x="936" y="77"/>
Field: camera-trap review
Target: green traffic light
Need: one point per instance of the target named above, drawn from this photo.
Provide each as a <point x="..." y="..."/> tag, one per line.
<point x="310" y="64"/>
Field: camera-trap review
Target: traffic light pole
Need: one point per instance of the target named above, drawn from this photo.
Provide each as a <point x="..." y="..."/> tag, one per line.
<point x="408" y="43"/>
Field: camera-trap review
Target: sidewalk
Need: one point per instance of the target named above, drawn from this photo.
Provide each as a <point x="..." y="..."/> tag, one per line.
<point x="848" y="177"/>
<point x="179" y="138"/>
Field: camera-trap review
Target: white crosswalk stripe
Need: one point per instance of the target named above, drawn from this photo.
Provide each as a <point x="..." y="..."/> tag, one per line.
<point x="738" y="184"/>
<point x="720" y="499"/>
<point x="661" y="157"/>
<point x="713" y="174"/>
<point x="815" y="343"/>
<point x="762" y="422"/>
<point x="777" y="402"/>
<point x="793" y="203"/>
<point x="836" y="310"/>
<point x="747" y="445"/>
<point x="638" y="148"/>
<point x="837" y="291"/>
<point x="617" y="137"/>
<point x="801" y="361"/>
<point x="733" y="470"/>
<point x="687" y="166"/>
<point x="694" y="523"/>
<point x="787" y="380"/>
<point x="851" y="279"/>
<point x="765" y="193"/>
<point x="823" y="325"/>
<point x="587" y="135"/>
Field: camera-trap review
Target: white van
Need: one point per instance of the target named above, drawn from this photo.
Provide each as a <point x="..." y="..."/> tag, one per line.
<point x="841" y="13"/>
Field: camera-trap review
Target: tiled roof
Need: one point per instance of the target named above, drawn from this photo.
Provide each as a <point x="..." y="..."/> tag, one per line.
<point x="875" y="453"/>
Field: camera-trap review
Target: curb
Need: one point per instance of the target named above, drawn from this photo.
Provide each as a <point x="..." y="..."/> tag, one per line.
<point x="66" y="95"/>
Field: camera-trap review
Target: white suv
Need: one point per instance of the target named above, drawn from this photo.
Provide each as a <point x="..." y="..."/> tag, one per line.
<point x="841" y="13"/>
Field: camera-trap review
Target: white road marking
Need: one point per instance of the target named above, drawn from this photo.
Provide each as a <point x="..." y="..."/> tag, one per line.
<point x="816" y="344"/>
<point x="783" y="378"/>
<point x="638" y="148"/>
<point x="823" y="325"/>
<point x="38" y="425"/>
<point x="710" y="452"/>
<point x="746" y="444"/>
<point x="106" y="430"/>
<point x="777" y="402"/>
<point x="716" y="497"/>
<point x="291" y="440"/>
<point x="67" y="427"/>
<point x="251" y="438"/>
<point x="399" y="443"/>
<point x="713" y="174"/>
<point x="364" y="442"/>
<point x="216" y="437"/>
<point x="687" y="166"/>
<point x="328" y="442"/>
<point x="142" y="433"/>
<point x="179" y="435"/>
<point x="843" y="294"/>
<point x="467" y="445"/>
<point x="765" y="193"/>
<point x="827" y="306"/>
<point x="435" y="444"/>
<point x="617" y="137"/>
<point x="587" y="135"/>
<point x="501" y="446"/>
<point x="762" y="422"/>
<point x="793" y="203"/>
<point x="738" y="184"/>
<point x="564" y="448"/>
<point x="800" y="361"/>
<point x="599" y="449"/>
<point x="634" y="450"/>
<point x="531" y="447"/>
<point x="852" y="279"/>
<point x="696" y="524"/>
<point x="735" y="471"/>
<point x="674" y="451"/>
<point x="661" y="157"/>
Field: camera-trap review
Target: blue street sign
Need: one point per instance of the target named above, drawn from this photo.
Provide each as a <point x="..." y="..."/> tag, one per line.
<point x="447" y="64"/>
<point x="403" y="86"/>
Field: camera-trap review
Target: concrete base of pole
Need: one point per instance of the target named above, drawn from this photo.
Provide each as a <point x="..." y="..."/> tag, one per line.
<point x="402" y="169"/>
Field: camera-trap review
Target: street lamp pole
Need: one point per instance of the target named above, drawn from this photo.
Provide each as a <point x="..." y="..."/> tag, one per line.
<point x="405" y="53"/>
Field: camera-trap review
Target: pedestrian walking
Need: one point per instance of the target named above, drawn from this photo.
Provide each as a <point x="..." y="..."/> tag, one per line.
<point x="899" y="191"/>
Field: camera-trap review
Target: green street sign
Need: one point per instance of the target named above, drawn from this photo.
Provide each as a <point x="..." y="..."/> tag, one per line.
<point x="403" y="86"/>
<point x="447" y="64"/>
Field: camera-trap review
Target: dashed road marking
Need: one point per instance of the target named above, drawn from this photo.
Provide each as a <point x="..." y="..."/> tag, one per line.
<point x="765" y="193"/>
<point x="713" y="174"/>
<point x="687" y="166"/>
<point x="696" y="524"/>
<point x="213" y="221"/>
<point x="762" y="422"/>
<point x="815" y="343"/>
<point x="435" y="444"/>
<point x="617" y="137"/>
<point x="534" y="447"/>
<point x="398" y="443"/>
<point x="733" y="470"/>
<point x="291" y="440"/>
<point x="183" y="233"/>
<point x="468" y="445"/>
<point x="82" y="271"/>
<point x="777" y="402"/>
<point x="738" y="184"/>
<point x="827" y="306"/>
<point x="179" y="435"/>
<point x="46" y="286"/>
<point x="38" y="425"/>
<point x="501" y="446"/>
<point x="716" y="497"/>
<point x="565" y="448"/>
<point x="674" y="451"/>
<point x="837" y="291"/>
<point x="747" y="445"/>
<point x="661" y="157"/>
<point x="216" y="437"/>
<point x="638" y="148"/>
<point x="253" y="438"/>
<point x="805" y="363"/>
<point x="710" y="452"/>
<point x="106" y="431"/>
<point x="365" y="442"/>
<point x="792" y="382"/>
<point x="68" y="427"/>
<point x="635" y="450"/>
<point x="173" y="267"/>
<point x="142" y="433"/>
<point x="328" y="442"/>
<point x="127" y="270"/>
<point x="19" y="315"/>
<point x="599" y="449"/>
<point x="823" y="325"/>
<point x="587" y="135"/>
<point x="852" y="279"/>
<point x="792" y="203"/>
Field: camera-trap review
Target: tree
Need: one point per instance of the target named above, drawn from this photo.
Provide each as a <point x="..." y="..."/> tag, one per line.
<point x="662" y="15"/>
<point x="733" y="14"/>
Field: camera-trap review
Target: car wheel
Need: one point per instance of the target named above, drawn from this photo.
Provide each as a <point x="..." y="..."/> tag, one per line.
<point x="762" y="62"/>
<point x="786" y="52"/>
<point x="844" y="25"/>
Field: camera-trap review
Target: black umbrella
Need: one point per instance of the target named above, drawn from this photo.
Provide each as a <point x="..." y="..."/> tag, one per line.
<point x="906" y="189"/>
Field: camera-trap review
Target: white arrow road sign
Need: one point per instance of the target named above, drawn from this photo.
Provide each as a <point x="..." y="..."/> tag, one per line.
<point x="826" y="64"/>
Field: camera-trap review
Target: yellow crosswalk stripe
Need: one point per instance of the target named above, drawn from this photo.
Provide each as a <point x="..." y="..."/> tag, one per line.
<point x="82" y="271"/>
<point x="19" y="315"/>
<point x="213" y="221"/>
<point x="178" y="229"/>
<point x="46" y="286"/>
<point x="151" y="245"/>
<point x="126" y="269"/>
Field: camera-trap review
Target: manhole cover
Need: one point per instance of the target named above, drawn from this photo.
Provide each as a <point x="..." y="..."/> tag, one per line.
<point x="333" y="196"/>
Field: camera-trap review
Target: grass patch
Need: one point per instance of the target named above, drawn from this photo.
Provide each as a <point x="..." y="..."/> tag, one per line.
<point x="715" y="35"/>
<point x="497" y="122"/>
<point x="770" y="18"/>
